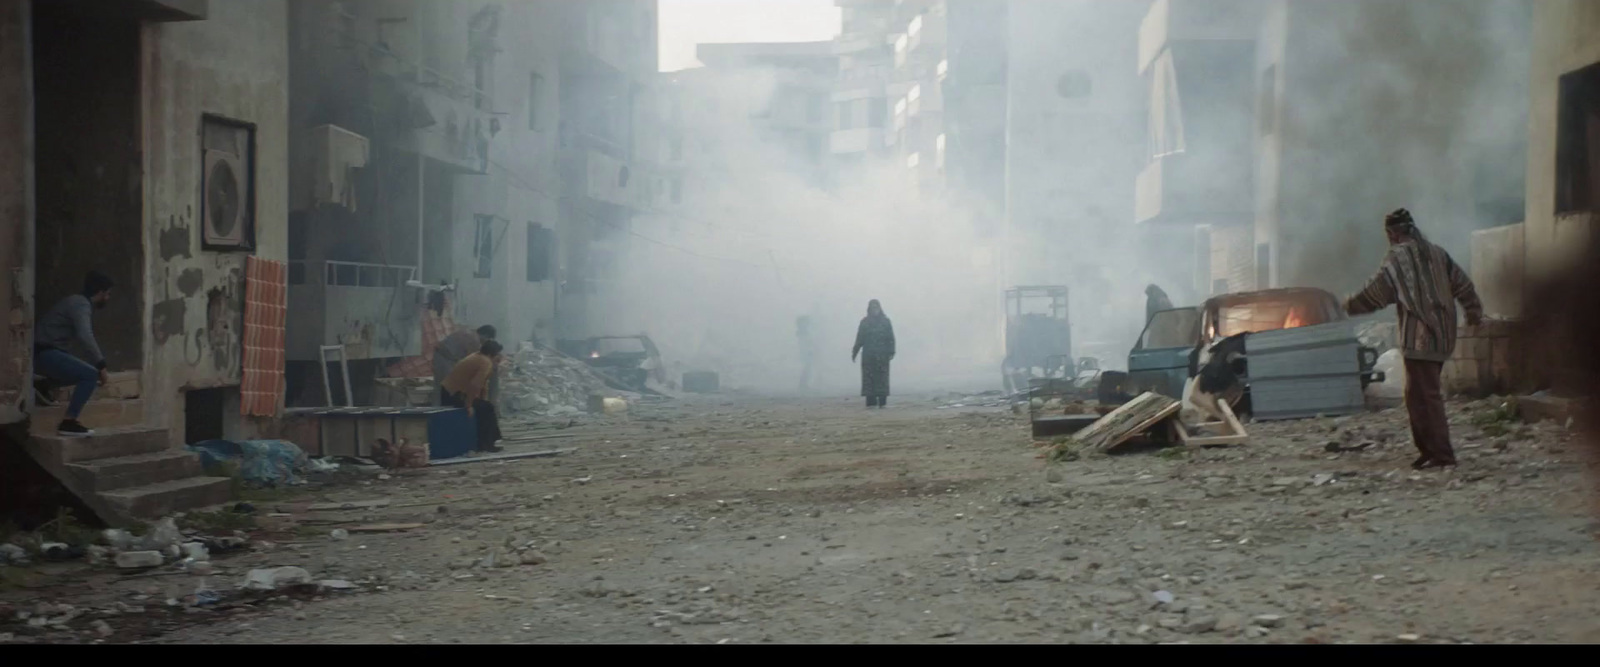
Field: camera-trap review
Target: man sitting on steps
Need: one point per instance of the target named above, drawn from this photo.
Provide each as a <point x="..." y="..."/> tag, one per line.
<point x="66" y="324"/>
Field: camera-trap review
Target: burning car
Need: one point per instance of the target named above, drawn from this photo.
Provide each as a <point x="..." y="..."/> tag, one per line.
<point x="1293" y="351"/>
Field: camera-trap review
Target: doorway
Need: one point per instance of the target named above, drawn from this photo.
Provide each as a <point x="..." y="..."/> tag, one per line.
<point x="88" y="168"/>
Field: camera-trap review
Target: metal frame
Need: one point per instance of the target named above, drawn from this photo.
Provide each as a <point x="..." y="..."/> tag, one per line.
<point x="344" y="371"/>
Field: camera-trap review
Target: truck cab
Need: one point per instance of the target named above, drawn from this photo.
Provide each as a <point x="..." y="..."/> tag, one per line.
<point x="1163" y="358"/>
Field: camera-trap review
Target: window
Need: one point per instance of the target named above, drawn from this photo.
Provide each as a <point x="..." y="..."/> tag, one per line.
<point x="915" y="28"/>
<point x="1578" y="141"/>
<point x="847" y="117"/>
<point x="535" y="101"/>
<point x="878" y="112"/>
<point x="483" y="245"/>
<point x="1171" y="328"/>
<point x="541" y="243"/>
<point x="913" y="160"/>
<point x="938" y="156"/>
<point x="942" y="70"/>
<point x="1165" y="126"/>
<point x="1267" y="105"/>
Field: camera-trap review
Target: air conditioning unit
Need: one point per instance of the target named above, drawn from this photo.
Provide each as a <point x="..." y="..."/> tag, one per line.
<point x="332" y="152"/>
<point x="226" y="206"/>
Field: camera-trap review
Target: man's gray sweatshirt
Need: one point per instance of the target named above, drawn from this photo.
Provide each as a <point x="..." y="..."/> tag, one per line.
<point x="66" y="323"/>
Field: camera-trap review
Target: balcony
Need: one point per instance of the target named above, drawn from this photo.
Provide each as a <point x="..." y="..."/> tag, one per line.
<point x="603" y="178"/>
<point x="1195" y="20"/>
<point x="858" y="140"/>
<point x="365" y="307"/>
<point x="1183" y="188"/>
<point x="450" y="121"/>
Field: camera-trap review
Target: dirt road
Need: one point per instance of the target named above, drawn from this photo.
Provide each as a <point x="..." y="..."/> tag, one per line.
<point x="759" y="520"/>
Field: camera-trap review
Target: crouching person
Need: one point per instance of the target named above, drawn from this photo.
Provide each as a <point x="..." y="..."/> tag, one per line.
<point x="467" y="386"/>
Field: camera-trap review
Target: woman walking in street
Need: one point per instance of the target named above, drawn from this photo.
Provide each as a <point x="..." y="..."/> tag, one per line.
<point x="875" y="346"/>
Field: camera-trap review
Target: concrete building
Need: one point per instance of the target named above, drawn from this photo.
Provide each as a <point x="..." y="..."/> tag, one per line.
<point x="1075" y="143"/>
<point x="860" y="95"/>
<point x="785" y="89"/>
<point x="608" y="65"/>
<point x="148" y="140"/>
<point x="1282" y="131"/>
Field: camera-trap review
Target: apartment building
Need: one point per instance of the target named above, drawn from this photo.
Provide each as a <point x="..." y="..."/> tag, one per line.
<point x="146" y="140"/>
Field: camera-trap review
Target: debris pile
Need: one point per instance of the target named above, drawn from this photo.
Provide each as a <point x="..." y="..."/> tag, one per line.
<point x="544" y="381"/>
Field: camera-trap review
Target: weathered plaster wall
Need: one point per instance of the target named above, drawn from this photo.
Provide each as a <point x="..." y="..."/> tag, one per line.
<point x="233" y="64"/>
<point x="522" y="184"/>
<point x="1563" y="39"/>
<point x="16" y="207"/>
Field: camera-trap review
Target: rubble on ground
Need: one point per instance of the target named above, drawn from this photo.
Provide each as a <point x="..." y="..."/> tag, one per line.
<point x="545" y="382"/>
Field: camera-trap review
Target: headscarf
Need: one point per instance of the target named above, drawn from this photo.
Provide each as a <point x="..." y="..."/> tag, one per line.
<point x="874" y="305"/>
<point x="1401" y="222"/>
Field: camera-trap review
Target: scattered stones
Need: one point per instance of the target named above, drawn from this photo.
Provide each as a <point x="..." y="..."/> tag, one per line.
<point x="275" y="578"/>
<point x="102" y="629"/>
<point x="1195" y="625"/>
<point x="139" y="560"/>
<point x="1268" y="620"/>
<point x="339" y="534"/>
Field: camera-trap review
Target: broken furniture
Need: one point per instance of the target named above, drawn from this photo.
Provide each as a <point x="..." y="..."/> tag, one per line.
<point x="701" y="382"/>
<point x="449" y="432"/>
<point x="344" y="372"/>
<point x="1146" y="412"/>
<point x="1049" y="400"/>
<point x="1195" y="436"/>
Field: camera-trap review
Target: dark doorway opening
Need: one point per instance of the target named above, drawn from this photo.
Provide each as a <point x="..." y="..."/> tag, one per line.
<point x="203" y="415"/>
<point x="88" y="169"/>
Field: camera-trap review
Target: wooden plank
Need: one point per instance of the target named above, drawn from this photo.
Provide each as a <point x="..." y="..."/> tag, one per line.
<point x="1235" y="436"/>
<point x="533" y="438"/>
<point x="502" y="457"/>
<point x="334" y="507"/>
<point x="1128" y="420"/>
<point x="1165" y="414"/>
<point x="385" y="527"/>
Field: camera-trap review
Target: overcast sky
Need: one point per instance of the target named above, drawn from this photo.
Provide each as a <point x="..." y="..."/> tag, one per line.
<point x="685" y="23"/>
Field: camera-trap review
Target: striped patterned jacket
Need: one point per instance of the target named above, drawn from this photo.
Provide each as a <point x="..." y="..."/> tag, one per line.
<point x="1423" y="284"/>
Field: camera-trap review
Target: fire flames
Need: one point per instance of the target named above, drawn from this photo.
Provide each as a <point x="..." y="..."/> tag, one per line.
<point x="1295" y="319"/>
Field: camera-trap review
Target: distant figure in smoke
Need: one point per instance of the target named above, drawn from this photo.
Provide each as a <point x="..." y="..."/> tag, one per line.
<point x="808" y="349"/>
<point x="875" y="345"/>
<point x="1423" y="283"/>
<point x="1155" y="301"/>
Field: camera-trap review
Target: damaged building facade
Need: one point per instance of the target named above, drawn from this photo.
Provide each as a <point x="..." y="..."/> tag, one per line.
<point x="150" y="140"/>
<point x="1248" y="99"/>
<point x="460" y="161"/>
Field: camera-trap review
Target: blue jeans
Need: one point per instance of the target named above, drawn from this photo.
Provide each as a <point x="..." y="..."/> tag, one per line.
<point x="64" y="368"/>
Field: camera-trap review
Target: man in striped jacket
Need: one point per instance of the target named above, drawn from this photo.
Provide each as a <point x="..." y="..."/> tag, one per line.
<point x="1423" y="284"/>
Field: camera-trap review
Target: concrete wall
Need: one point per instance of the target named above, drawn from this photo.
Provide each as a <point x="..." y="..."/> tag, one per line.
<point x="233" y="64"/>
<point x="522" y="185"/>
<point x="1564" y="40"/>
<point x="1498" y="268"/>
<point x="16" y="208"/>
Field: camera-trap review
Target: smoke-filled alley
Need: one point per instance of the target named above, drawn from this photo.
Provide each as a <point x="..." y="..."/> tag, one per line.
<point x="798" y="321"/>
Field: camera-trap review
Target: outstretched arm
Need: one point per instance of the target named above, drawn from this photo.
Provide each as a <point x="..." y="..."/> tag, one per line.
<point x="1377" y="295"/>
<point x="85" y="330"/>
<point x="1462" y="289"/>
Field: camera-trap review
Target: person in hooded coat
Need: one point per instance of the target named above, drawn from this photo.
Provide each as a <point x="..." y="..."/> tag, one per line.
<point x="1155" y="301"/>
<point x="875" y="346"/>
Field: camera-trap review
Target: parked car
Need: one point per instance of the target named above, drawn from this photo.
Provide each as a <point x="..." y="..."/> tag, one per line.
<point x="1302" y="347"/>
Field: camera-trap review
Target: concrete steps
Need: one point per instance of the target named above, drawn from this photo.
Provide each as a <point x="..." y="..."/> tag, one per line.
<point x="153" y="501"/>
<point x="101" y="414"/>
<point x="128" y="474"/>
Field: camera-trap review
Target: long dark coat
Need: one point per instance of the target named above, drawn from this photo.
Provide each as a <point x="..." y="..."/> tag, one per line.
<point x="875" y="343"/>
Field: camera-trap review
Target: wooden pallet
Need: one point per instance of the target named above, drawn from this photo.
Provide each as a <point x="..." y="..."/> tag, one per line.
<point x="1236" y="436"/>
<point x="1128" y="420"/>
